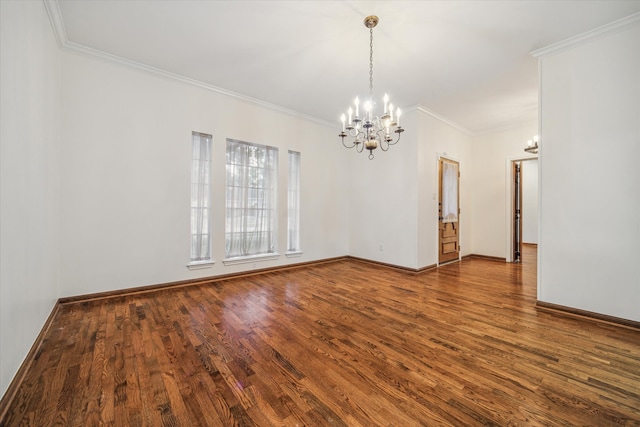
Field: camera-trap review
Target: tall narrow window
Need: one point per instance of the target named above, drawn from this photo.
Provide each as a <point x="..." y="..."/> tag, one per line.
<point x="252" y="215"/>
<point x="200" y="197"/>
<point x="293" y="201"/>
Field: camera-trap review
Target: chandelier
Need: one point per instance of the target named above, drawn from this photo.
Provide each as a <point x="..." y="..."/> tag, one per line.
<point x="371" y="131"/>
<point x="532" y="145"/>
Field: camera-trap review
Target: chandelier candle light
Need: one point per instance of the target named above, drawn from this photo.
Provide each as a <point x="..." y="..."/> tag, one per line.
<point x="371" y="131"/>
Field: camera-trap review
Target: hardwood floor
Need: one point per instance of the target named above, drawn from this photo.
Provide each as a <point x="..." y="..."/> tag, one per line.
<point x="339" y="344"/>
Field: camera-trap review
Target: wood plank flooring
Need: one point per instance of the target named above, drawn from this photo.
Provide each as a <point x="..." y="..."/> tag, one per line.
<point x="339" y="344"/>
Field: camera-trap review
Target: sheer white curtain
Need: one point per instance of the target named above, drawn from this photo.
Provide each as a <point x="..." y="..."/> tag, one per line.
<point x="200" y="196"/>
<point x="293" y="217"/>
<point x="251" y="217"/>
<point x="449" y="192"/>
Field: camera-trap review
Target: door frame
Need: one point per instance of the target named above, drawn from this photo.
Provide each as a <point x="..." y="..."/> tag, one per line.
<point x="446" y="156"/>
<point x="510" y="200"/>
<point x="517" y="209"/>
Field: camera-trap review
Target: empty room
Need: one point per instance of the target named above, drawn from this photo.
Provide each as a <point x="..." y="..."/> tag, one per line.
<point x="319" y="213"/>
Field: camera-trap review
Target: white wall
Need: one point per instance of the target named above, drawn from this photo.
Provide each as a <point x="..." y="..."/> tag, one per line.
<point x="29" y="166"/>
<point x="383" y="202"/>
<point x="490" y="169"/>
<point x="590" y="202"/>
<point x="125" y="176"/>
<point x="530" y="218"/>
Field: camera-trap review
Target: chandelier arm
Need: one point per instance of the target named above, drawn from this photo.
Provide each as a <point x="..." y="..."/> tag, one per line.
<point x="353" y="133"/>
<point x="358" y="141"/>
<point x="380" y="135"/>
<point x="399" y="132"/>
<point x="348" y="146"/>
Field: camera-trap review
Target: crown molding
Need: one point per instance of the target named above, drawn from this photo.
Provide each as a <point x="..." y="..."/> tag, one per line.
<point x="498" y="129"/>
<point x="87" y="51"/>
<point x="57" y="23"/>
<point x="607" y="29"/>
<point x="55" y="18"/>
<point x="443" y="119"/>
<point x="508" y="127"/>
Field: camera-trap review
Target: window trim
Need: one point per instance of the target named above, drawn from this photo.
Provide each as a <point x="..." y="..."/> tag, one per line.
<point x="251" y="258"/>
<point x="200" y="265"/>
<point x="294" y="254"/>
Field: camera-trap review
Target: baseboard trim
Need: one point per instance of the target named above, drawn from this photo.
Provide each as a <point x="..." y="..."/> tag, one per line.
<point x="18" y="378"/>
<point x="393" y="266"/>
<point x="485" y="257"/>
<point x="211" y="279"/>
<point x="586" y="315"/>
<point x="191" y="282"/>
<point x="428" y="267"/>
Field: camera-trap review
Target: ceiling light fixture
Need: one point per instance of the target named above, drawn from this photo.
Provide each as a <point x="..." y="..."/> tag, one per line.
<point x="371" y="131"/>
<point x="532" y="145"/>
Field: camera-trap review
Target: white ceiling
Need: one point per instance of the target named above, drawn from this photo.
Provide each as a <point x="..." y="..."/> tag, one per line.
<point x="467" y="61"/>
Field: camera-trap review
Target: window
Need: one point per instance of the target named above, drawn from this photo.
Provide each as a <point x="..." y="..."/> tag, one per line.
<point x="293" y="202"/>
<point x="200" y="198"/>
<point x="252" y="214"/>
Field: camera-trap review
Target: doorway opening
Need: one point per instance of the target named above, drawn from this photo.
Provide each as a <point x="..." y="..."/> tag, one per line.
<point x="523" y="207"/>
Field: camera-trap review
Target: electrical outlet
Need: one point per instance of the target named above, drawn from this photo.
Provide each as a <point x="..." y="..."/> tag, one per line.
<point x="381" y="247"/>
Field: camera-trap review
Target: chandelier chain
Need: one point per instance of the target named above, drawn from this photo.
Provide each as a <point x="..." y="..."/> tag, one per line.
<point x="371" y="61"/>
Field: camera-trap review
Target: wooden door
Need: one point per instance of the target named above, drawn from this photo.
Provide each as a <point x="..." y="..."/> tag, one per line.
<point x="448" y="211"/>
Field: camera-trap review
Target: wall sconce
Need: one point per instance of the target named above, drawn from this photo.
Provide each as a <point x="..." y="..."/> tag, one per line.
<point x="532" y="145"/>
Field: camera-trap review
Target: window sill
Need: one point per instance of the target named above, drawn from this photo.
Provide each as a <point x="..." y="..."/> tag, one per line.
<point x="250" y="259"/>
<point x="198" y="265"/>
<point x="293" y="254"/>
